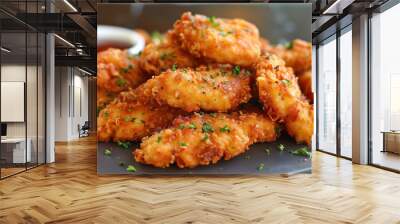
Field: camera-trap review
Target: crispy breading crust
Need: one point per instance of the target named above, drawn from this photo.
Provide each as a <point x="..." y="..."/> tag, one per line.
<point x="305" y="82"/>
<point x="158" y="57"/>
<point x="280" y="93"/>
<point x="231" y="41"/>
<point x="205" y="139"/>
<point x="116" y="72"/>
<point x="298" y="55"/>
<point x="133" y="115"/>
<point x="215" y="87"/>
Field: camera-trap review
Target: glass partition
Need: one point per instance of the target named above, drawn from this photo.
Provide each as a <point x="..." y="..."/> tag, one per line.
<point x="22" y="90"/>
<point x="327" y="96"/>
<point x="346" y="93"/>
<point x="385" y="89"/>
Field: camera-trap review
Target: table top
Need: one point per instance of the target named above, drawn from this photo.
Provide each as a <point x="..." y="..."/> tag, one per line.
<point x="391" y="132"/>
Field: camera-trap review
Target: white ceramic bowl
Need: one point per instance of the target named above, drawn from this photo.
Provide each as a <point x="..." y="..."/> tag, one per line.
<point x="118" y="36"/>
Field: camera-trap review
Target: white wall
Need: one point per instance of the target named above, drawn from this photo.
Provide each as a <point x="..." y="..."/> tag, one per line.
<point x="71" y="94"/>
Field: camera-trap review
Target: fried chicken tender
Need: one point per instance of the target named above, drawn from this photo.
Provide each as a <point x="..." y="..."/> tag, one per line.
<point x="117" y="71"/>
<point x="305" y="82"/>
<point x="231" y="41"/>
<point x="218" y="88"/>
<point x="132" y="116"/>
<point x="158" y="57"/>
<point x="282" y="98"/>
<point x="297" y="54"/>
<point x="205" y="139"/>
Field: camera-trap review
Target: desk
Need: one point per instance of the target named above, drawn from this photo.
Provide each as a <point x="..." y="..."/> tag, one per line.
<point x="391" y="141"/>
<point x="15" y="148"/>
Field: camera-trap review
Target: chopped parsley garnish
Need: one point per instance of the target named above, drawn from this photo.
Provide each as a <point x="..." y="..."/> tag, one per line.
<point x="126" y="69"/>
<point x="281" y="147"/>
<point x="164" y="55"/>
<point x="139" y="121"/>
<point x="287" y="82"/>
<point x="98" y="109"/>
<point x="212" y="21"/>
<point x="207" y="128"/>
<point x="131" y="168"/>
<point x="213" y="114"/>
<point x="106" y="114"/>
<point x="289" y="45"/>
<point x="107" y="152"/>
<point x="225" y="129"/>
<point x="182" y="144"/>
<point x="181" y="126"/>
<point x="124" y="145"/>
<point x="158" y="139"/>
<point x="205" y="138"/>
<point x="260" y="166"/>
<point x="236" y="70"/>
<point x="129" y="118"/>
<point x="121" y="82"/>
<point x="174" y="67"/>
<point x="192" y="126"/>
<point x="156" y="36"/>
<point x="268" y="151"/>
<point x="302" y="152"/>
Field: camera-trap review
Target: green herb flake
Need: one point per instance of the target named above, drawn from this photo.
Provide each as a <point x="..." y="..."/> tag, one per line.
<point x="131" y="169"/>
<point x="260" y="167"/>
<point x="289" y="45"/>
<point x="182" y="144"/>
<point x="192" y="126"/>
<point x="302" y="152"/>
<point x="106" y="114"/>
<point x="205" y="138"/>
<point x="156" y="36"/>
<point x="286" y="82"/>
<point x="129" y="118"/>
<point x="124" y="145"/>
<point x="213" y="114"/>
<point x="268" y="152"/>
<point x="107" y="152"/>
<point x="174" y="67"/>
<point x="121" y="164"/>
<point x="139" y="121"/>
<point x="236" y="70"/>
<point x="121" y="82"/>
<point x="207" y="128"/>
<point x="181" y="126"/>
<point x="158" y="139"/>
<point x="281" y="147"/>
<point x="213" y="22"/>
<point x="225" y="129"/>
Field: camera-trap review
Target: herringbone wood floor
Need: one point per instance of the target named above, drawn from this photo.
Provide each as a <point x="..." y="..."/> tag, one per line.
<point x="69" y="191"/>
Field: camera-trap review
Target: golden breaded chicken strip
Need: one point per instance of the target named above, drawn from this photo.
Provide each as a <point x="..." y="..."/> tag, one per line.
<point x="230" y="41"/>
<point x="297" y="54"/>
<point x="305" y="82"/>
<point x="280" y="93"/>
<point x="116" y="71"/>
<point x="205" y="139"/>
<point x="215" y="87"/>
<point x="103" y="98"/>
<point x="132" y="116"/>
<point x="158" y="57"/>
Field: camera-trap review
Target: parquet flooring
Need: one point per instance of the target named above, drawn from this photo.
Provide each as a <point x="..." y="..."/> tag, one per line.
<point x="69" y="191"/>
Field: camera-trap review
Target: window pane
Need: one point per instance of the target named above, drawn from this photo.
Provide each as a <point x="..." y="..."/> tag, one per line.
<point x="385" y="89"/>
<point x="346" y="93"/>
<point x="327" y="96"/>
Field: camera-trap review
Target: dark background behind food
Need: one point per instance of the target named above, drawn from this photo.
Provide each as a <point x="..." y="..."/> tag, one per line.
<point x="279" y="23"/>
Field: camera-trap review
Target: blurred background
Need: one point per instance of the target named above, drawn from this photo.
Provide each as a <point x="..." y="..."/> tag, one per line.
<point x="279" y="23"/>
